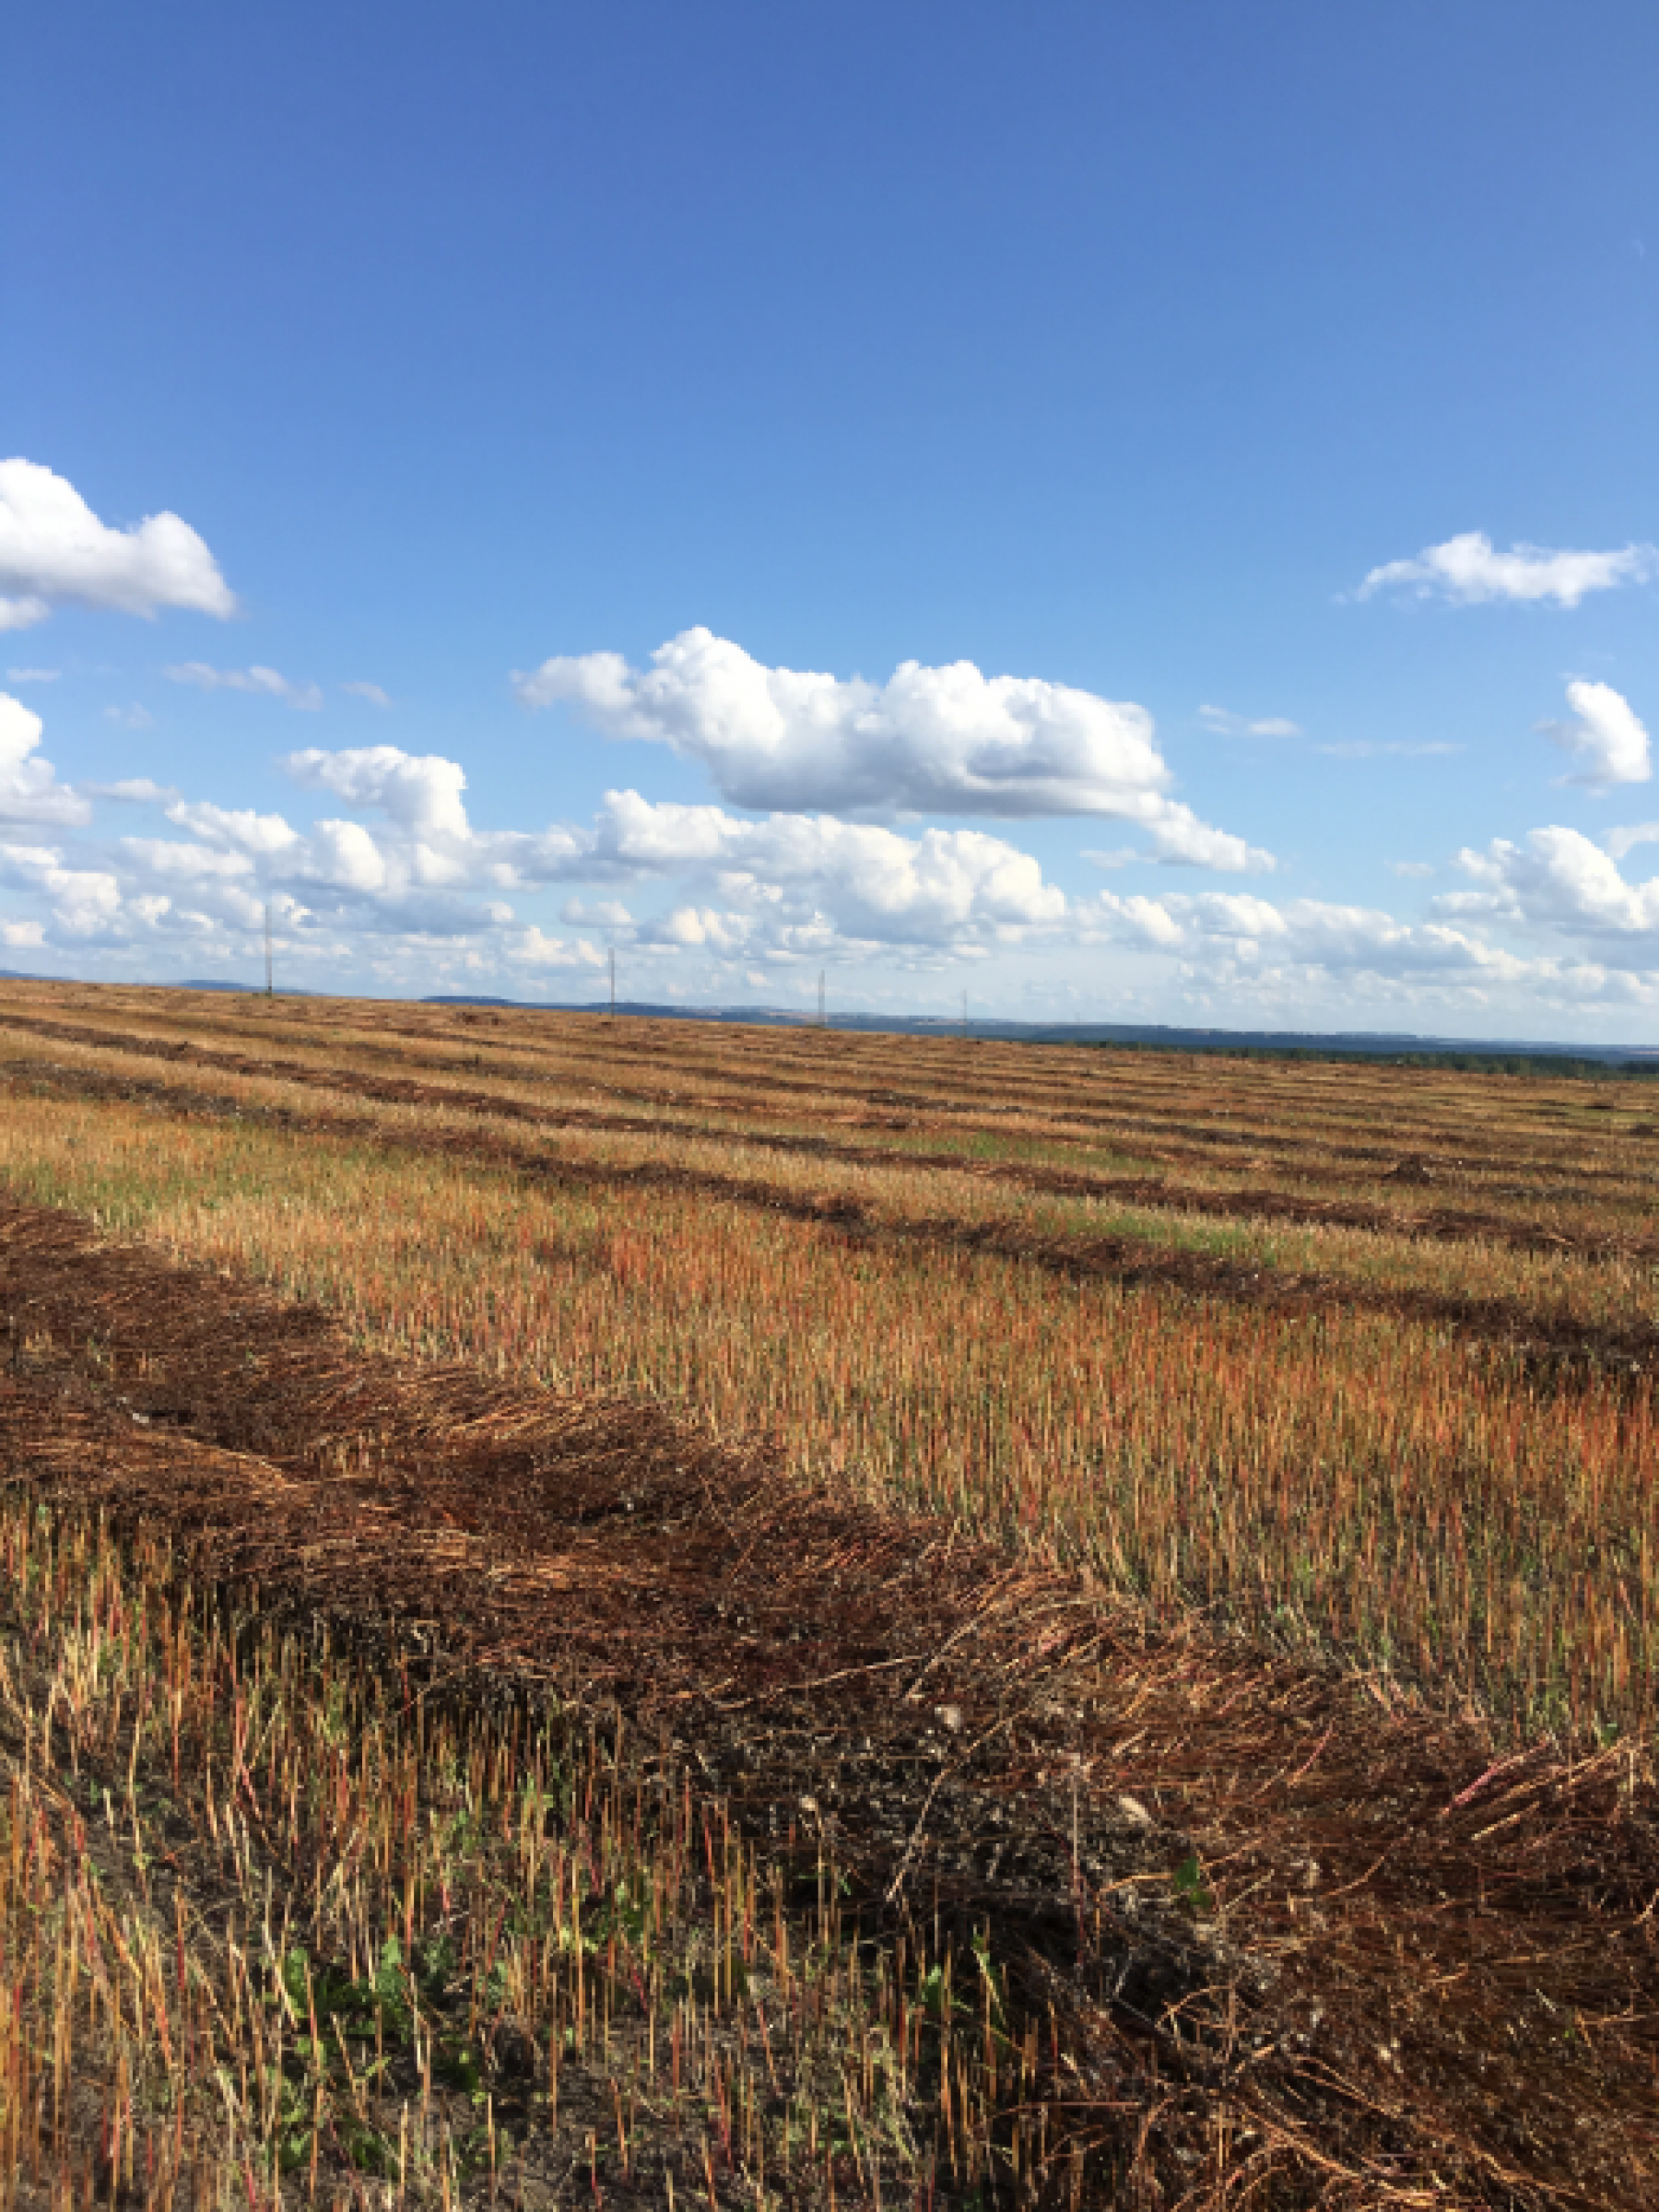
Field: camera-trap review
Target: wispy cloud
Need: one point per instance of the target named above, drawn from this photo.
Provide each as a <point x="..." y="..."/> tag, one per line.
<point x="268" y="683"/>
<point x="1226" y="725"/>
<point x="133" y="791"/>
<point x="372" y="692"/>
<point x="33" y="676"/>
<point x="1365" y="748"/>
<point x="1469" y="569"/>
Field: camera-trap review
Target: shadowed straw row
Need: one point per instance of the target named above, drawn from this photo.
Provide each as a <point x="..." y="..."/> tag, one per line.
<point x="1410" y="1154"/>
<point x="1444" y="1224"/>
<point x="1559" y="1340"/>
<point x="1356" y="1932"/>
<point x="1334" y="1477"/>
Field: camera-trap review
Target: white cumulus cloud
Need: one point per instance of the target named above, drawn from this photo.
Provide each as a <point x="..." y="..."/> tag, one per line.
<point x="342" y="856"/>
<point x="927" y="741"/>
<point x="1222" y="937"/>
<point x="166" y="856"/>
<point x="409" y="896"/>
<point x="420" y="792"/>
<point x="53" y="549"/>
<point x="1181" y="841"/>
<point x="1468" y="569"/>
<point x="268" y="683"/>
<point x="1604" y="734"/>
<point x="810" y="879"/>
<point x="532" y="947"/>
<point x="233" y="828"/>
<point x="30" y="790"/>
<point x="1559" y="880"/>
<point x="85" y="904"/>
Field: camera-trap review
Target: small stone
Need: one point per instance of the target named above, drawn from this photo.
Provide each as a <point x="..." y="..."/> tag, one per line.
<point x="1133" y="1810"/>
<point x="952" y="1717"/>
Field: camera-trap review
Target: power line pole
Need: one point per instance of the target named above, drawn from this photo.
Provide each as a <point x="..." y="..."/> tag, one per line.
<point x="270" y="986"/>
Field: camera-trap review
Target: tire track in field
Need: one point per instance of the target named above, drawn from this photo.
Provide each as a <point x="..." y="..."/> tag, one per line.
<point x="1558" y="1346"/>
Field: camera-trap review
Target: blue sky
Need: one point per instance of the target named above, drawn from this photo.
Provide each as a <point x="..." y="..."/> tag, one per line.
<point x="583" y="381"/>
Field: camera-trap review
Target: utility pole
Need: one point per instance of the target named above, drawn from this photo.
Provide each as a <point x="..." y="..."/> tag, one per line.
<point x="270" y="986"/>
<point x="613" y="966"/>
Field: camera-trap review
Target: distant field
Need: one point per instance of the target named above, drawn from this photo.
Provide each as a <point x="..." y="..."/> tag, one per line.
<point x="1311" y="1406"/>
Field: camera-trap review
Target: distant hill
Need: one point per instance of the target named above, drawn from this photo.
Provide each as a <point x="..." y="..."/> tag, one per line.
<point x="210" y="982"/>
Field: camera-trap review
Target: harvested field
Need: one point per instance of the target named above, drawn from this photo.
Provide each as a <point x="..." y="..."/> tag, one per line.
<point x="784" y="1619"/>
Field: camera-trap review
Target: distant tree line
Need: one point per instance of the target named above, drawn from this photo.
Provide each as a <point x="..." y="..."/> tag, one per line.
<point x="1476" y="1064"/>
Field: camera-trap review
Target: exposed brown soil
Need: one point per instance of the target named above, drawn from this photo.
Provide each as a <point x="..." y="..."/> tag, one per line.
<point x="1559" y="1345"/>
<point x="1406" y="1921"/>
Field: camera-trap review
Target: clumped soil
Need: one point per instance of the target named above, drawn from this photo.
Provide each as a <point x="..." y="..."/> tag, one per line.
<point x="1298" y="1941"/>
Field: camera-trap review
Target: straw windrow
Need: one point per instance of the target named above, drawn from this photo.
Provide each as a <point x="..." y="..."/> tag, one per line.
<point x="565" y="1636"/>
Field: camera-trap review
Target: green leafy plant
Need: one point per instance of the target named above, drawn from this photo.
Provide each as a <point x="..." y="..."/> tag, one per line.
<point x="1189" y="1885"/>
